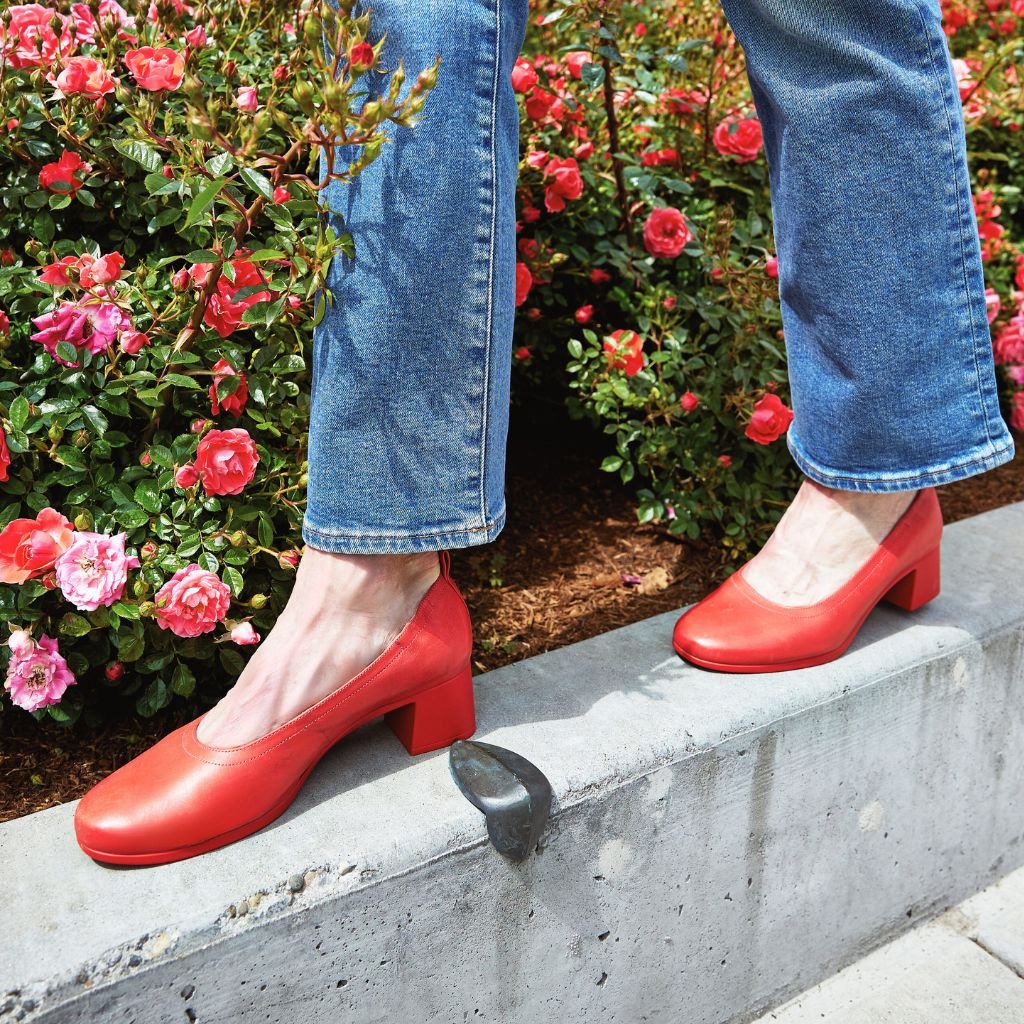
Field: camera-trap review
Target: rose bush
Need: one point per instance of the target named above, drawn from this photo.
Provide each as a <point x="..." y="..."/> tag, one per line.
<point x="162" y="265"/>
<point x="646" y="250"/>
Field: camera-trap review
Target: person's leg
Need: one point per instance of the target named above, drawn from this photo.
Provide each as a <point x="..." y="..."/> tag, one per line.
<point x="411" y="363"/>
<point x="880" y="275"/>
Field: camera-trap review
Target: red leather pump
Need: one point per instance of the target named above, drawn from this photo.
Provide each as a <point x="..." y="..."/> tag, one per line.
<point x="735" y="629"/>
<point x="182" y="797"/>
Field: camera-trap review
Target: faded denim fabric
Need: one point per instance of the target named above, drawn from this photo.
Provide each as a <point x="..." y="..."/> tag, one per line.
<point x="880" y="275"/>
<point x="411" y="365"/>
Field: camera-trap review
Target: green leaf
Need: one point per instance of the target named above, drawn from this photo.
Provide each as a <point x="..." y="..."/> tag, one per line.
<point x="257" y="182"/>
<point x="153" y="698"/>
<point x="67" y="351"/>
<point x="19" y="412"/>
<point x="95" y="419"/>
<point x="161" y="456"/>
<point x="148" y="496"/>
<point x="208" y="561"/>
<point x="74" y="625"/>
<point x="265" y="530"/>
<point x="183" y="682"/>
<point x="611" y="463"/>
<point x="144" y="155"/>
<point x="203" y="198"/>
<point x="131" y="647"/>
<point x="126" y="611"/>
<point x="131" y="518"/>
<point x="592" y="75"/>
<point x="183" y="381"/>
<point x="233" y="578"/>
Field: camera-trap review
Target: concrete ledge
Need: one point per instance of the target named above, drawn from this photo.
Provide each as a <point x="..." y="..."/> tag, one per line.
<point x="717" y="843"/>
<point x="944" y="972"/>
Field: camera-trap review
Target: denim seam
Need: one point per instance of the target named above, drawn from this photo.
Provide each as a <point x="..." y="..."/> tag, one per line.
<point x="804" y="461"/>
<point x="943" y="98"/>
<point x="485" y="528"/>
<point x="491" y="261"/>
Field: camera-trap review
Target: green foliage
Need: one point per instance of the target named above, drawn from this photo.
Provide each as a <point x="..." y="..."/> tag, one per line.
<point x="649" y="107"/>
<point x="213" y="209"/>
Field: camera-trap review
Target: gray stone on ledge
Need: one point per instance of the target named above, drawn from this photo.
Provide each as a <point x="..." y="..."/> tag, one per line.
<point x="717" y="843"/>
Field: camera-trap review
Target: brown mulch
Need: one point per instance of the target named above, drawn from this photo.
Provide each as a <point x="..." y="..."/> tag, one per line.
<point x="559" y="565"/>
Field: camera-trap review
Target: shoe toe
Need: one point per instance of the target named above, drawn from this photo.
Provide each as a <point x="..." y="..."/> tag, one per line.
<point x="137" y="810"/>
<point x="702" y="635"/>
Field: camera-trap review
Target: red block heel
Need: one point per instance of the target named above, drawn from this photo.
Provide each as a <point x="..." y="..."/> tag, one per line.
<point x="437" y="717"/>
<point x="735" y="629"/>
<point x="183" y="797"/>
<point x="919" y="586"/>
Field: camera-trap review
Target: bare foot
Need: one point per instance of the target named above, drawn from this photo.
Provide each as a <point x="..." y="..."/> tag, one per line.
<point x="344" y="610"/>
<point x="821" y="541"/>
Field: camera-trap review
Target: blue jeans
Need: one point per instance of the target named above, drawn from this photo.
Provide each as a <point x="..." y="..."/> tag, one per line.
<point x="880" y="275"/>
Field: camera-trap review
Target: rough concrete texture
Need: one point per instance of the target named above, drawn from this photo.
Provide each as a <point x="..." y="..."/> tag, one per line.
<point x="934" y="974"/>
<point x="994" y="919"/>
<point x="717" y="843"/>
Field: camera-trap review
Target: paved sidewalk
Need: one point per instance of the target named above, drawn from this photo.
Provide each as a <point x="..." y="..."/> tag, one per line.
<point x="965" y="967"/>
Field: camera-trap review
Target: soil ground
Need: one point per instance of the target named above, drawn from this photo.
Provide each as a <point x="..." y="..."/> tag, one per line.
<point x="559" y="566"/>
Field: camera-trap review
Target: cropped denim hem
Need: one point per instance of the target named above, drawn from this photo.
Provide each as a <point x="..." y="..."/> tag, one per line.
<point x="370" y="542"/>
<point x="978" y="460"/>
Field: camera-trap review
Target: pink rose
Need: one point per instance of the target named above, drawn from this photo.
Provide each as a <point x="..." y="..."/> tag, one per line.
<point x="192" y="601"/>
<point x="5" y="455"/>
<point x="85" y="76"/>
<point x="246" y="100"/>
<point x="156" y="68"/>
<point x="133" y="341"/>
<point x="37" y="675"/>
<point x="1017" y="411"/>
<point x="93" y="570"/>
<point x="244" y="634"/>
<point x="226" y="460"/>
<point x="29" y="41"/>
<point x="91" y="325"/>
<point x="186" y="476"/>
<point x="666" y="232"/>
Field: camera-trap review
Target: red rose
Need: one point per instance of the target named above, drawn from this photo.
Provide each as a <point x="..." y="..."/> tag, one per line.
<point x="771" y="418"/>
<point x="156" y="68"/>
<point x="771" y="267"/>
<point x="5" y="455"/>
<point x="689" y="401"/>
<point x="666" y="232"/>
<point x="565" y="183"/>
<point x="584" y="314"/>
<point x="361" y="56"/>
<point x="624" y="351"/>
<point x="235" y="402"/>
<point x="524" y="75"/>
<point x="226" y="461"/>
<point x="524" y="282"/>
<point x="739" y="137"/>
<point x="224" y="311"/>
<point x="60" y="177"/>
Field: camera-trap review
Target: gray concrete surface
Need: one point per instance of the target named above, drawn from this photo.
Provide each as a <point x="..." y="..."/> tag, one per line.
<point x="717" y="843"/>
<point x="935" y="974"/>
